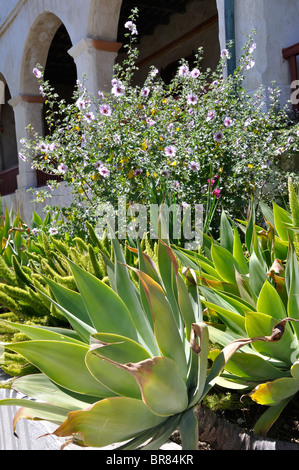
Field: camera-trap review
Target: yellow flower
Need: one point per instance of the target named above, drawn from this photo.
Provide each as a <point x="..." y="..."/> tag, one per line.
<point x="125" y="160"/>
<point x="144" y="145"/>
<point x="155" y="175"/>
<point x="80" y="190"/>
<point x="174" y="163"/>
<point x="153" y="111"/>
<point x="131" y="174"/>
<point x="164" y="101"/>
<point x="77" y="128"/>
<point x="250" y="165"/>
<point x="99" y="146"/>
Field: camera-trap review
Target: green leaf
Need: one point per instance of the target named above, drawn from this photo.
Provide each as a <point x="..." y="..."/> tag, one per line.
<point x="238" y="252"/>
<point x="166" y="330"/>
<point x="253" y="367"/>
<point x="106" y="353"/>
<point x="163" y="390"/>
<point x="40" y="388"/>
<point x="70" y="300"/>
<point x="188" y="428"/>
<point x="259" y="324"/>
<point x="44" y="411"/>
<point x="225" y="263"/>
<point x="292" y="285"/>
<point x="268" y="418"/>
<point x="130" y="296"/>
<point x="226" y="233"/>
<point x="63" y="363"/>
<point x="106" y="310"/>
<point x="282" y="220"/>
<point x="257" y="273"/>
<point x="108" y="421"/>
<point x="269" y="302"/>
<point x="272" y="393"/>
<point x="39" y="333"/>
<point x="163" y="433"/>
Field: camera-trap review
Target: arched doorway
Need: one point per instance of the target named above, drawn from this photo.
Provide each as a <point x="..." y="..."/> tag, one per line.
<point x="8" y="144"/>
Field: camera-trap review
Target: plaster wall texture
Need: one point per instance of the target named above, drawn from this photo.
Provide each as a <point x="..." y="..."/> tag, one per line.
<point x="276" y="25"/>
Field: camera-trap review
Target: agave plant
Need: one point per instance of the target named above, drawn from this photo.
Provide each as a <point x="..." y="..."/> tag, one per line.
<point x="135" y="363"/>
<point x="249" y="291"/>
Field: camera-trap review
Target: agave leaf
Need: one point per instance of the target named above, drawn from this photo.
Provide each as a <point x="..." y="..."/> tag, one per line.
<point x="233" y="320"/>
<point x="166" y="331"/>
<point x="257" y="324"/>
<point x="111" y="420"/>
<point x="168" y="269"/>
<point x="185" y="305"/>
<point x="238" y="252"/>
<point x="84" y="330"/>
<point x="253" y="367"/>
<point x="40" y="388"/>
<point x="163" y="390"/>
<point x="225" y="264"/>
<point x="70" y="300"/>
<point x="63" y="363"/>
<point x="257" y="273"/>
<point x="269" y="302"/>
<point x="292" y="285"/>
<point x="269" y="417"/>
<point x="199" y="330"/>
<point x="188" y="427"/>
<point x="282" y="219"/>
<point x="163" y="433"/>
<point x="272" y="393"/>
<point x="129" y="295"/>
<point x="226" y="233"/>
<point x="107" y="312"/>
<point x="35" y="410"/>
<point x="104" y="356"/>
<point x="40" y="333"/>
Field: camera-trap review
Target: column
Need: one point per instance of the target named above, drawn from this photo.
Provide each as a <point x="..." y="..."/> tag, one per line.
<point x="95" y="59"/>
<point x="28" y="109"/>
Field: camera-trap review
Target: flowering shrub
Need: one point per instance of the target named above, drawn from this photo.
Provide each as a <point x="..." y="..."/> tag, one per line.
<point x="200" y="139"/>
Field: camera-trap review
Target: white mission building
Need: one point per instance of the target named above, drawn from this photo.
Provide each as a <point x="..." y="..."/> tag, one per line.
<point x="71" y="38"/>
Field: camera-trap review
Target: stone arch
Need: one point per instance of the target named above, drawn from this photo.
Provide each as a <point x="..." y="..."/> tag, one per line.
<point x="8" y="143"/>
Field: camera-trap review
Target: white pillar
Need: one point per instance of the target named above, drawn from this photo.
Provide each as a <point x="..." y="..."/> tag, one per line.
<point x="95" y="58"/>
<point x="27" y="109"/>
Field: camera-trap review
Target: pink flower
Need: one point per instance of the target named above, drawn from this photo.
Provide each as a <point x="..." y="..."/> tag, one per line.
<point x="195" y="73"/>
<point x="211" y="114"/>
<point x="194" y="166"/>
<point x="89" y="117"/>
<point x="105" y="110"/>
<point x="104" y="172"/>
<point x="217" y="193"/>
<point x="218" y="136"/>
<point x="22" y="157"/>
<point x="228" y="122"/>
<point x="184" y="70"/>
<point x="170" y="151"/>
<point x="62" y="168"/>
<point x="192" y="99"/>
<point x="118" y="89"/>
<point x="138" y="172"/>
<point x="37" y="73"/>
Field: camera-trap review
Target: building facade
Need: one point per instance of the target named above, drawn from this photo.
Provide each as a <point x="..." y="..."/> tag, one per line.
<point x="72" y="38"/>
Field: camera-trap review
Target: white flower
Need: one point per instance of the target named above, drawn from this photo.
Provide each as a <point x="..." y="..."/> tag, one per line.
<point x="211" y="114"/>
<point x="118" y="89"/>
<point x="192" y="99"/>
<point x="170" y="151"/>
<point x="195" y="73"/>
<point x="53" y="231"/>
<point x="225" y="54"/>
<point x="37" y="73"/>
<point x="62" y="168"/>
<point x="131" y="27"/>
<point x="89" y="117"/>
<point x="184" y="70"/>
<point x="104" y="172"/>
<point x="250" y="64"/>
<point x="145" y="92"/>
<point x="194" y="166"/>
<point x="218" y="136"/>
<point x="34" y="231"/>
<point x="228" y="122"/>
<point x="154" y="72"/>
<point x="80" y="103"/>
<point x="105" y="110"/>
<point x="252" y="48"/>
